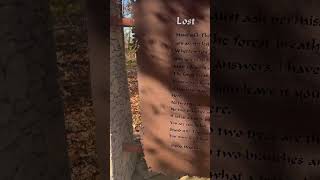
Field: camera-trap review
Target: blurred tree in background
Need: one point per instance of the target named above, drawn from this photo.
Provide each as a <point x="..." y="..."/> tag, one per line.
<point x="131" y="43"/>
<point x="63" y="8"/>
<point x="68" y="14"/>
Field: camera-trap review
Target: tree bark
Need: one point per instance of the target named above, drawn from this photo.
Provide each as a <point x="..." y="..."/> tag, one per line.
<point x="121" y="130"/>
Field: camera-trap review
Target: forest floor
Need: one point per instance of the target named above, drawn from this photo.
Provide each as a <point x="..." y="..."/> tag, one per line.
<point x="74" y="80"/>
<point x="131" y="64"/>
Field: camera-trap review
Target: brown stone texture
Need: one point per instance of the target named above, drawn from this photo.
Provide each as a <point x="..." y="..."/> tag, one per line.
<point x="174" y="86"/>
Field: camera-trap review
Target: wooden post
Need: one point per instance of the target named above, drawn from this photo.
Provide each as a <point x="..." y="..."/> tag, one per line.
<point x="133" y="148"/>
<point x="124" y="22"/>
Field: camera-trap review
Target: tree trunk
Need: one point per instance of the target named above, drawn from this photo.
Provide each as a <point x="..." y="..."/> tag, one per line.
<point x="32" y="133"/>
<point x="121" y="130"/>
